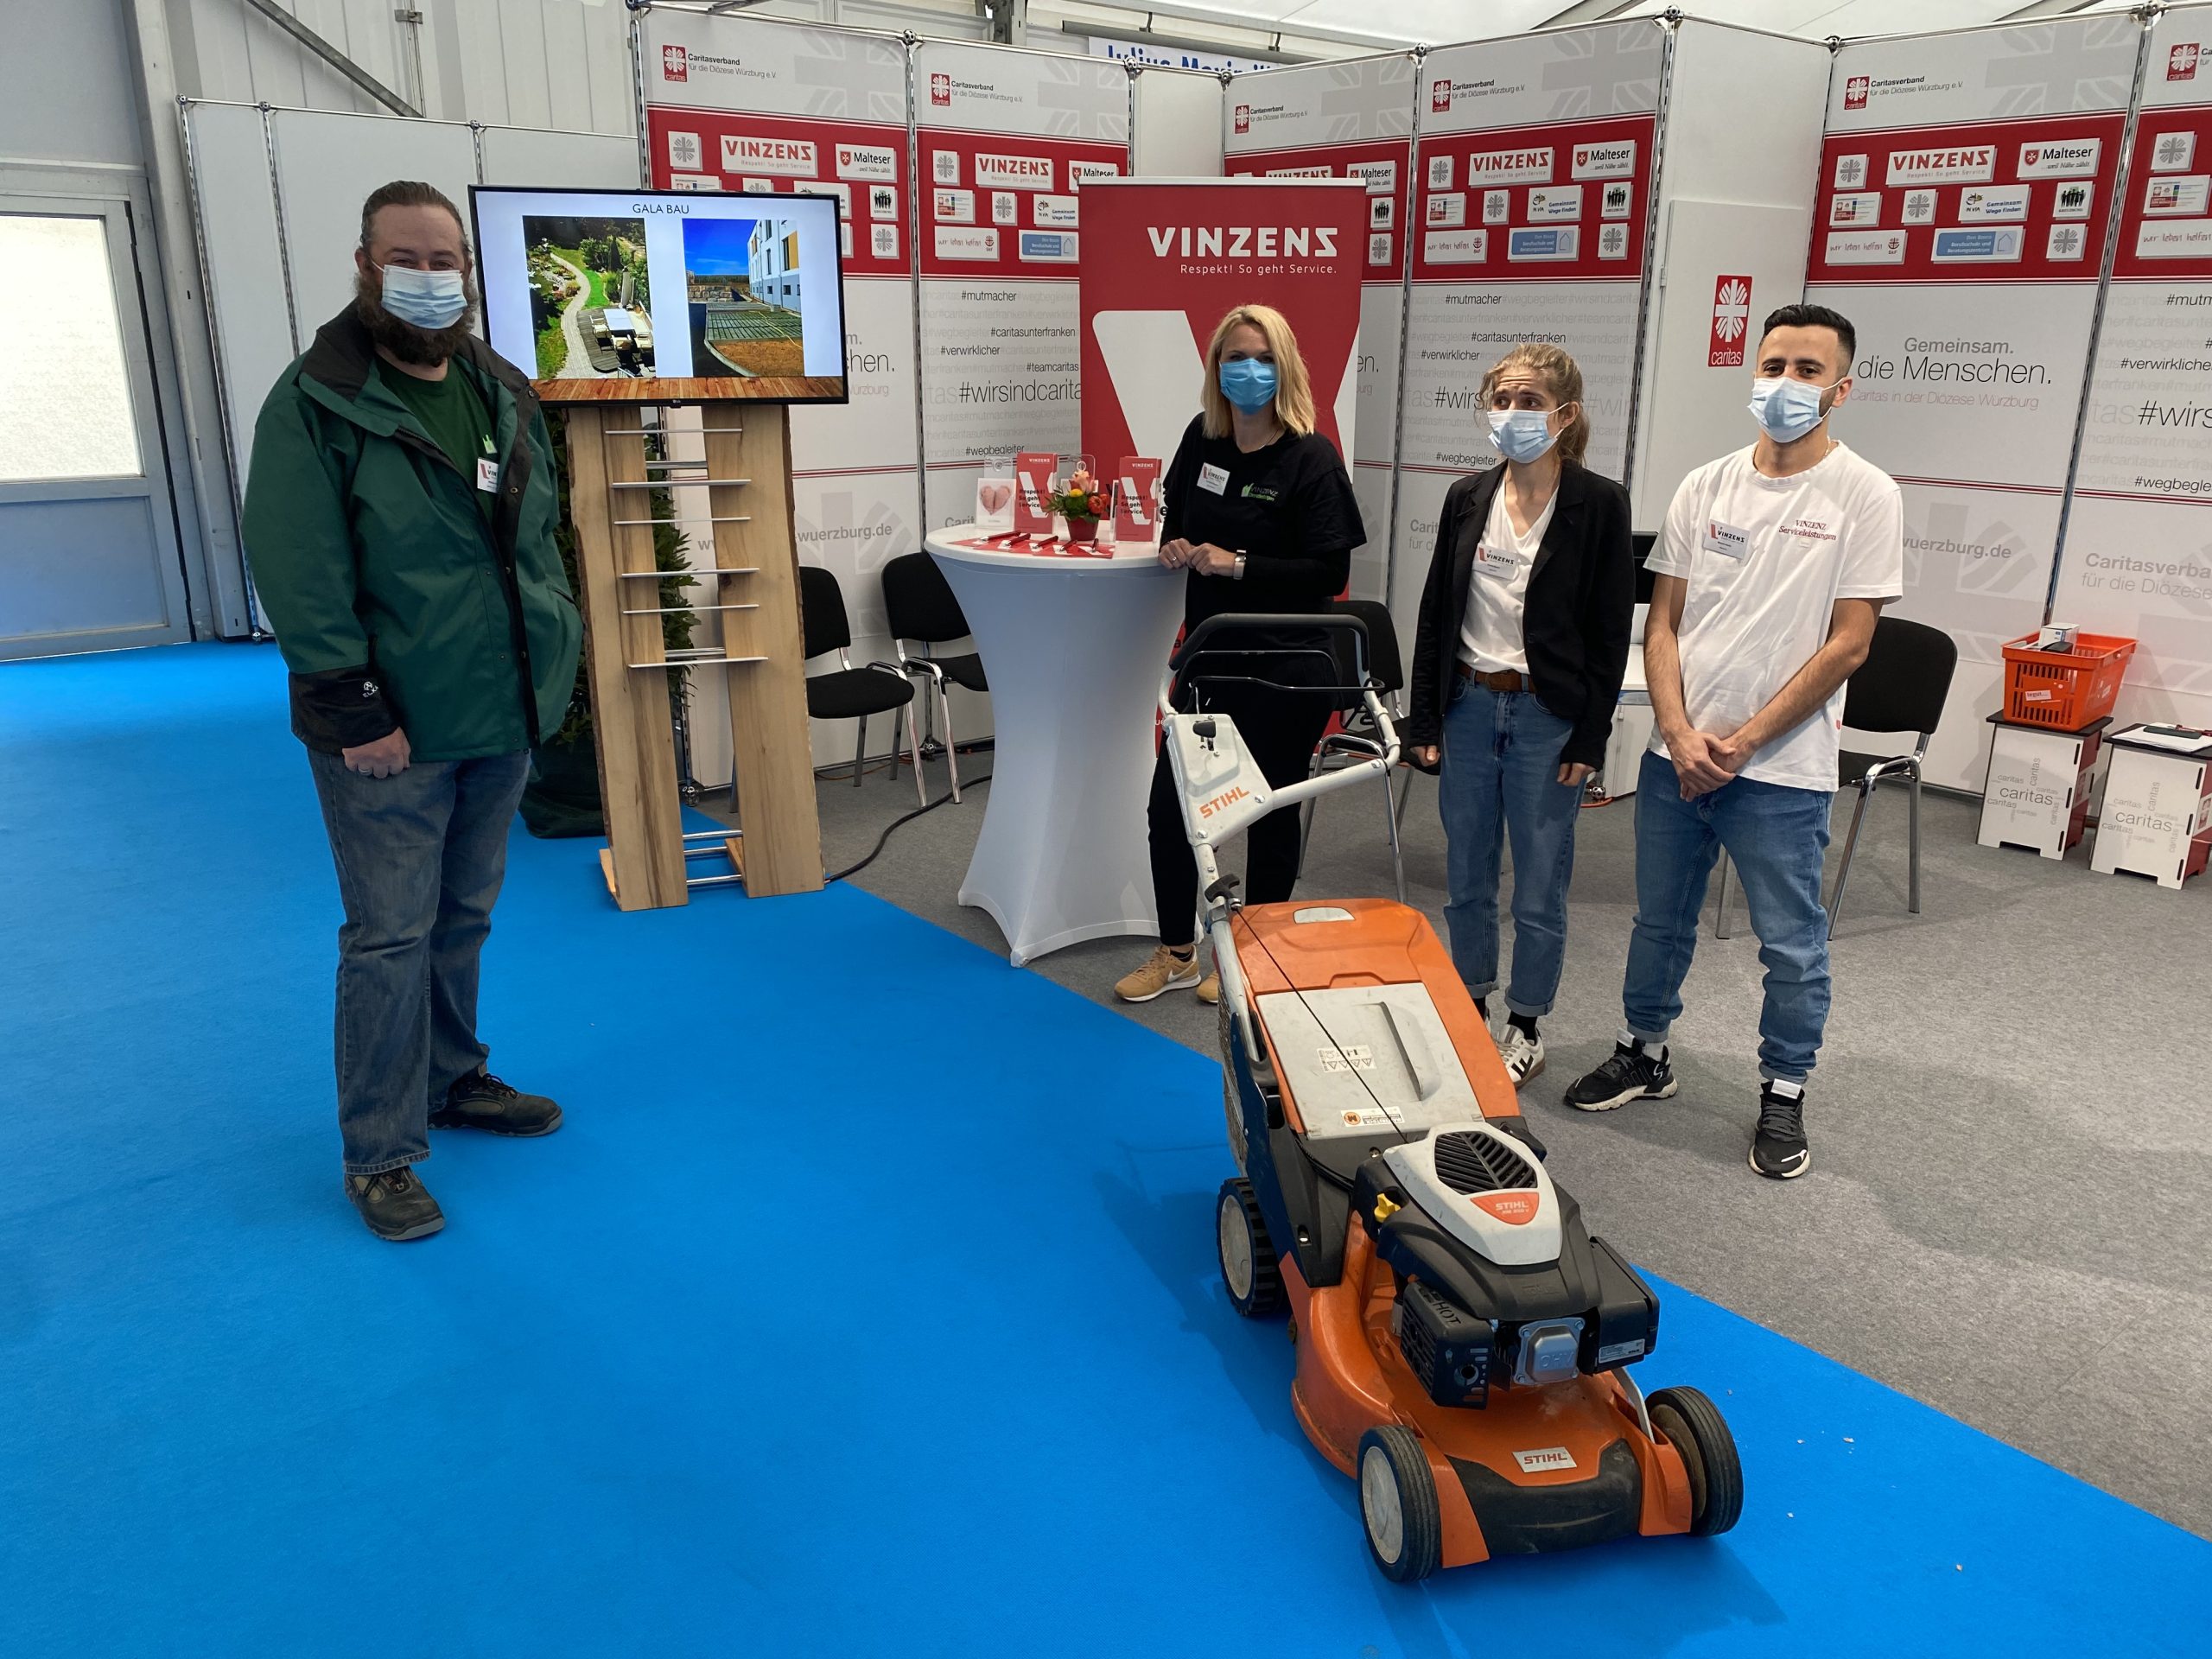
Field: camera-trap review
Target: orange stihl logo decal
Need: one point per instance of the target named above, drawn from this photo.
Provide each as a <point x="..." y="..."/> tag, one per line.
<point x="1226" y="798"/>
<point x="1515" y="1208"/>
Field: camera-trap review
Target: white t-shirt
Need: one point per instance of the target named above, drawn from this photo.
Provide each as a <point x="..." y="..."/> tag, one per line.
<point x="1490" y="633"/>
<point x="1766" y="559"/>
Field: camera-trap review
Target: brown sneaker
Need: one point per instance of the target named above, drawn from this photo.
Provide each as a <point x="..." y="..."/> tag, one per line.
<point x="1210" y="989"/>
<point x="1163" y="971"/>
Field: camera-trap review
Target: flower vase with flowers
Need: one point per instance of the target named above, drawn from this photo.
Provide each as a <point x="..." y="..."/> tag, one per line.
<point x="1083" y="501"/>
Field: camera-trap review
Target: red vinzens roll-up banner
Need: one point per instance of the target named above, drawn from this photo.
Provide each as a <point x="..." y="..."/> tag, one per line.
<point x="1163" y="261"/>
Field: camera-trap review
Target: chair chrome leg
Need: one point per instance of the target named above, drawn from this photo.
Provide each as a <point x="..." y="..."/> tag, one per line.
<point x="860" y="750"/>
<point x="1912" y="838"/>
<point x="1720" y="907"/>
<point x="1397" y="854"/>
<point x="1866" y="786"/>
<point x="914" y="738"/>
<point x="952" y="760"/>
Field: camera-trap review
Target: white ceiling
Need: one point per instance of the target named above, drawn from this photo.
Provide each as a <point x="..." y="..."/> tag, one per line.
<point x="1384" y="22"/>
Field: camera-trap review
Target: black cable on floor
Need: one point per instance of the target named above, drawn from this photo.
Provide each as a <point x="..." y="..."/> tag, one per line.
<point x="854" y="869"/>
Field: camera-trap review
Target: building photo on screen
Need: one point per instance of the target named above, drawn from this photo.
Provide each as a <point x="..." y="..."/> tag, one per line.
<point x="665" y="296"/>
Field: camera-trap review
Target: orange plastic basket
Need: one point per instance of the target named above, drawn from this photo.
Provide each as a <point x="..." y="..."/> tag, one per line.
<point x="2064" y="689"/>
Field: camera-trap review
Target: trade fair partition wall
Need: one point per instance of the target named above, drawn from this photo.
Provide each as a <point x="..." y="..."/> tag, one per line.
<point x="1590" y="187"/>
<point x="2138" y="554"/>
<point x="1353" y="120"/>
<point x="1964" y="204"/>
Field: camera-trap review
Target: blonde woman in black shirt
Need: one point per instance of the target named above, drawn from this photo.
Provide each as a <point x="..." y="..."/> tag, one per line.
<point x="1257" y="508"/>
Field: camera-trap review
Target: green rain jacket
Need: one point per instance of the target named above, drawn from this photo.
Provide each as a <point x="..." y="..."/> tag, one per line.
<point x="394" y="602"/>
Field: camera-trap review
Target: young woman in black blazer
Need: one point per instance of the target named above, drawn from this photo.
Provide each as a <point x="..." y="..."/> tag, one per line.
<point x="1517" y="664"/>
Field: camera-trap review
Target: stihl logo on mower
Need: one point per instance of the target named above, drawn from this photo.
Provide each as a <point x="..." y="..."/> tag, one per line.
<point x="1543" y="1459"/>
<point x="1221" y="802"/>
<point x="1514" y="1209"/>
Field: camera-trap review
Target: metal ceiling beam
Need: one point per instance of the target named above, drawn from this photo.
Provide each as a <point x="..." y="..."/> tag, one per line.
<point x="331" y="55"/>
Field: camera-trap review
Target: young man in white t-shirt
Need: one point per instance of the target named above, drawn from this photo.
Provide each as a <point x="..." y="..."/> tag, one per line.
<point x="1776" y="561"/>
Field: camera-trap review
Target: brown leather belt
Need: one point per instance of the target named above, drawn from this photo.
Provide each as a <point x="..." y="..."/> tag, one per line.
<point x="1504" y="680"/>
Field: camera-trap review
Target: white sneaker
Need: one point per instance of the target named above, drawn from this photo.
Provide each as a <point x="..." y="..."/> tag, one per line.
<point x="1523" y="1055"/>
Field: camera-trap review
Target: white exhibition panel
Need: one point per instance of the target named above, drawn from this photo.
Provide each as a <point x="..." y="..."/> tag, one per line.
<point x="1348" y="119"/>
<point x="575" y="160"/>
<point x="326" y="165"/>
<point x="2137" y="557"/>
<point x="1733" y="226"/>
<point x="243" y="251"/>
<point x="1973" y="342"/>
<point x="1177" y="124"/>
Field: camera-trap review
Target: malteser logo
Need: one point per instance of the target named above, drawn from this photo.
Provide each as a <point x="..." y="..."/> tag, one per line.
<point x="941" y="90"/>
<point x="1439" y="96"/>
<point x="1854" y="92"/>
<point x="2181" y="62"/>
<point x="1732" y="323"/>
<point x="675" y="63"/>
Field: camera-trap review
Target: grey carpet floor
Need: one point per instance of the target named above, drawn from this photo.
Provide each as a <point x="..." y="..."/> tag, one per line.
<point x="2009" y="1214"/>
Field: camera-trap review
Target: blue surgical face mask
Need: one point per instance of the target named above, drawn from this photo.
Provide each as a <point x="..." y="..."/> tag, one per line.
<point x="1522" y="434"/>
<point x="1786" y="409"/>
<point x="1249" y="384"/>
<point x="428" y="299"/>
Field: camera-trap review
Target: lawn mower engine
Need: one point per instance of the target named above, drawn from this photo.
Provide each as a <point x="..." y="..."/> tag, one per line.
<point x="1499" y="1283"/>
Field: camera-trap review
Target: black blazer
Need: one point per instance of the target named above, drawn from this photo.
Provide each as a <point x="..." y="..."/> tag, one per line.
<point x="1581" y="602"/>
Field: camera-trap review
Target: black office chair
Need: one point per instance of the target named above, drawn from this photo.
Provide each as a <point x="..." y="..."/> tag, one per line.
<point x="1357" y="739"/>
<point x="918" y="603"/>
<point x="1901" y="687"/>
<point x="846" y="692"/>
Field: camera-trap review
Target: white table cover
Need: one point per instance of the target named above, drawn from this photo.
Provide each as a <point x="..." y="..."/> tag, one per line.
<point x="1073" y="648"/>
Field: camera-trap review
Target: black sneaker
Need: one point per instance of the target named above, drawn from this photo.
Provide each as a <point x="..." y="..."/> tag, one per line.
<point x="1633" y="1073"/>
<point x="481" y="1101"/>
<point x="1778" y="1148"/>
<point x="395" y="1204"/>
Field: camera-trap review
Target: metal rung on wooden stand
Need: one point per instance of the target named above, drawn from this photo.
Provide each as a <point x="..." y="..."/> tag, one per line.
<point x="648" y="853"/>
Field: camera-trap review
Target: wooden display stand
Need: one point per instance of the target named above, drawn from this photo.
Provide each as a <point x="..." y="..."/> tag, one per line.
<point x="2037" y="795"/>
<point x="2157" y="817"/>
<point x="752" y="587"/>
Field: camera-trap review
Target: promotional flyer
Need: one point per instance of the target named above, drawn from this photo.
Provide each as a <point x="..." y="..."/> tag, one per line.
<point x="1007" y="142"/>
<point x="1352" y="120"/>
<point x="2138" y="559"/>
<point x="1169" y="258"/>
<point x="734" y="103"/>
<point x="1966" y="191"/>
<point x="1531" y="216"/>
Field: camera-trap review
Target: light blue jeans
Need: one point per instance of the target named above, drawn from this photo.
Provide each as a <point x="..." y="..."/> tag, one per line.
<point x="1776" y="837"/>
<point x="1500" y="779"/>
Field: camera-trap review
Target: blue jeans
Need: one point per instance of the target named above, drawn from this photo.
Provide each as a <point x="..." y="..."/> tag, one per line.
<point x="1777" y="837"/>
<point x="1501" y="779"/>
<point x="420" y="858"/>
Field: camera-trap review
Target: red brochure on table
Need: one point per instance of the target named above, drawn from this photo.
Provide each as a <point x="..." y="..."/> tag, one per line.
<point x="1032" y="477"/>
<point x="1136" y="499"/>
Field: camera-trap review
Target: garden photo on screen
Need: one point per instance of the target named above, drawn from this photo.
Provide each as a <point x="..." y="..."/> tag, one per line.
<point x="589" y="299"/>
<point x="743" y="278"/>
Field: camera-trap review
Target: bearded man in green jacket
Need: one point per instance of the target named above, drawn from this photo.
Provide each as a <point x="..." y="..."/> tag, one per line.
<point x="399" y="518"/>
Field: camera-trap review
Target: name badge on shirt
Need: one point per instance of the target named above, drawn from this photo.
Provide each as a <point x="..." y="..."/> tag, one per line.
<point x="487" y="475"/>
<point x="1496" y="562"/>
<point x="1214" y="479"/>
<point x="1727" y="540"/>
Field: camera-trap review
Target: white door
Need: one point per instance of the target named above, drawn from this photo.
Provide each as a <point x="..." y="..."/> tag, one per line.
<point x="88" y="533"/>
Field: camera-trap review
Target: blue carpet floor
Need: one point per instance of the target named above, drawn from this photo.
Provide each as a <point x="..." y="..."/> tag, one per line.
<point x="866" y="1304"/>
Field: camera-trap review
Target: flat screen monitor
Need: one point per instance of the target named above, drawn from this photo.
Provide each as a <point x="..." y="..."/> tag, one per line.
<point x="664" y="295"/>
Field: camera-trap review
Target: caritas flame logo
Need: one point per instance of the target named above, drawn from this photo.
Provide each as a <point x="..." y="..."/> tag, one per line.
<point x="675" y="63"/>
<point x="1244" y="117"/>
<point x="2181" y="62"/>
<point x="1732" y="323"/>
<point x="1439" y="96"/>
<point x="1854" y="92"/>
<point x="941" y="89"/>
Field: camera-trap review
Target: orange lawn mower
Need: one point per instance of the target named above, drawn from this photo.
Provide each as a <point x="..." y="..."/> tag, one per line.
<point x="1463" y="1340"/>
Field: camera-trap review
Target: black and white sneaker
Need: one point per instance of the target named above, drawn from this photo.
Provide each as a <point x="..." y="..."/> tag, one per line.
<point x="1779" y="1148"/>
<point x="1634" y="1072"/>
